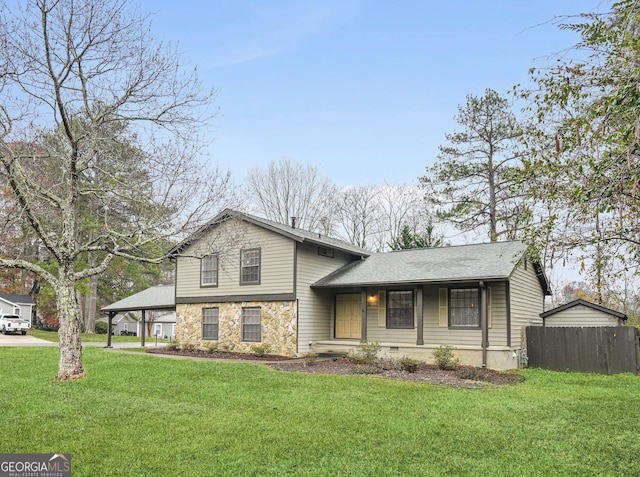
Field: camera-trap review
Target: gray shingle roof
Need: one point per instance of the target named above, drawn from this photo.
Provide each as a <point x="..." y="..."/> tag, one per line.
<point x="495" y="260"/>
<point x="296" y="234"/>
<point x="588" y="304"/>
<point x="154" y="298"/>
<point x="18" y="299"/>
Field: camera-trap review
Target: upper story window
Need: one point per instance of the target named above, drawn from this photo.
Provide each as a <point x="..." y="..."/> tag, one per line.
<point x="250" y="267"/>
<point x="209" y="271"/>
<point x="464" y="307"/>
<point x="400" y="309"/>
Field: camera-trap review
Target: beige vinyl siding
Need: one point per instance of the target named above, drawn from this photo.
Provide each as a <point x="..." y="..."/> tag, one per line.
<point x="498" y="310"/>
<point x="526" y="302"/>
<point x="276" y="264"/>
<point x="436" y="334"/>
<point x="376" y="320"/>
<point x="580" y="315"/>
<point x="315" y="307"/>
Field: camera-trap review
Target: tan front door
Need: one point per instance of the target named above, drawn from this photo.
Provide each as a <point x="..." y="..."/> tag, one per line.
<point x="348" y="316"/>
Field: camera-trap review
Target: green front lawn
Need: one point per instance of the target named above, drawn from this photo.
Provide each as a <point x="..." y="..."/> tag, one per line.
<point x="139" y="415"/>
<point x="92" y="337"/>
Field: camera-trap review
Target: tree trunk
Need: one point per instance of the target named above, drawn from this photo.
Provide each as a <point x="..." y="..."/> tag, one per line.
<point x="89" y="308"/>
<point x="70" y="365"/>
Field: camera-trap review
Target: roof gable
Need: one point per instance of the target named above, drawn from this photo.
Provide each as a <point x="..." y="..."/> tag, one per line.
<point x="586" y="303"/>
<point x="296" y="234"/>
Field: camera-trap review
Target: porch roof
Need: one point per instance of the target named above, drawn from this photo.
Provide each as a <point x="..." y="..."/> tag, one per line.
<point x="488" y="261"/>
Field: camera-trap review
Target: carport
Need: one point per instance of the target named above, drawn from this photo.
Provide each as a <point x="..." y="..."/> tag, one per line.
<point x="161" y="297"/>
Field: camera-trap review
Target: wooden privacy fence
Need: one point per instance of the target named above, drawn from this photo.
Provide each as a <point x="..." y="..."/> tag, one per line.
<point x="603" y="349"/>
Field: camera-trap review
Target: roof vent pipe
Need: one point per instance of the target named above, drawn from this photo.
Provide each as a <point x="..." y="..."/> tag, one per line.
<point x="293" y="222"/>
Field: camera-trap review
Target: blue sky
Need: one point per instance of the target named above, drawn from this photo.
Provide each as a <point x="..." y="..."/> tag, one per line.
<point x="364" y="89"/>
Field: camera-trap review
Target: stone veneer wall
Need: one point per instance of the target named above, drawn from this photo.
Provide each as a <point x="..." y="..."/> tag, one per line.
<point x="279" y="326"/>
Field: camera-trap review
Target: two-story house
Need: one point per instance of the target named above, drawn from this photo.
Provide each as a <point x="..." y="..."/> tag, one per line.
<point x="244" y="280"/>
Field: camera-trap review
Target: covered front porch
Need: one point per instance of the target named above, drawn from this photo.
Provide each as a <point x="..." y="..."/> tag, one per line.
<point x="498" y="357"/>
<point x="414" y="319"/>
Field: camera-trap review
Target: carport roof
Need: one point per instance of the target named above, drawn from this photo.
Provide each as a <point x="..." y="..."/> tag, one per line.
<point x="160" y="297"/>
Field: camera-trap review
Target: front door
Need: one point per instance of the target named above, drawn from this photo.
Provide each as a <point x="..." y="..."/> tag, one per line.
<point x="348" y="316"/>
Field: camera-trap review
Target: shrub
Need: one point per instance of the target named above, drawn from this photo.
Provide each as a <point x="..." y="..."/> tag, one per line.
<point x="310" y="358"/>
<point x="188" y="347"/>
<point x="101" y="327"/>
<point x="409" y="365"/>
<point x="362" y="368"/>
<point x="367" y="353"/>
<point x="261" y="349"/>
<point x="211" y="347"/>
<point x="227" y="346"/>
<point x="444" y="357"/>
<point x="173" y="345"/>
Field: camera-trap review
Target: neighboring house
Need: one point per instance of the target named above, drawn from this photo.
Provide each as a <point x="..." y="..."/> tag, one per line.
<point x="582" y="313"/>
<point x="163" y="323"/>
<point x="123" y="323"/>
<point x="154" y="304"/>
<point x="17" y="305"/>
<point x="243" y="280"/>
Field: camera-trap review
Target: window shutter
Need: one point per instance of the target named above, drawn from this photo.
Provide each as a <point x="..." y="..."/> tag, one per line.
<point x="489" y="308"/>
<point x="382" y="309"/>
<point x="443" y="308"/>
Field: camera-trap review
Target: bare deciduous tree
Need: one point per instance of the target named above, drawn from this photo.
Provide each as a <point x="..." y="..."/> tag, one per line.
<point x="359" y="215"/>
<point x="82" y="79"/>
<point x="372" y="216"/>
<point x="287" y="189"/>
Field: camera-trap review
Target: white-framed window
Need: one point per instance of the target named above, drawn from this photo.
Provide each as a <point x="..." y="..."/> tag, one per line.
<point x="210" y="323"/>
<point x="125" y="326"/>
<point x="464" y="308"/>
<point x="209" y="271"/>
<point x="157" y="329"/>
<point x="251" y="324"/>
<point x="250" y="267"/>
<point x="173" y="329"/>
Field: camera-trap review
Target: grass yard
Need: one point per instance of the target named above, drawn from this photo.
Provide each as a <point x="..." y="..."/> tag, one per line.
<point x="140" y="415"/>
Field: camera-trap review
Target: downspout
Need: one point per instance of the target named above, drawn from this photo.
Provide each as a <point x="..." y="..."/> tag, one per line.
<point x="508" y="293"/>
<point x="484" y="322"/>
<point x="295" y="292"/>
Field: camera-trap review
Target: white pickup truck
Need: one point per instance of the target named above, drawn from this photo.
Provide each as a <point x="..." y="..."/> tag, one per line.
<point x="13" y="324"/>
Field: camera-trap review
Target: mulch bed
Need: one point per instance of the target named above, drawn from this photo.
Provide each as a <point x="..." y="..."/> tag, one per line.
<point x="461" y="377"/>
<point x="219" y="354"/>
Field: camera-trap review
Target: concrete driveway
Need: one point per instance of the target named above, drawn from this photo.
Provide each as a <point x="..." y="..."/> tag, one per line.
<point x="26" y="340"/>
